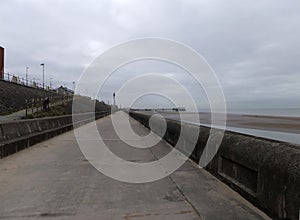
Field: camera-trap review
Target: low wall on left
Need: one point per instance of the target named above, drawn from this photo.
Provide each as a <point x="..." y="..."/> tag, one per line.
<point x="18" y="135"/>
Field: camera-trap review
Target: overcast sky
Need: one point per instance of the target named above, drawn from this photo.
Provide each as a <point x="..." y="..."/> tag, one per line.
<point x="252" y="45"/>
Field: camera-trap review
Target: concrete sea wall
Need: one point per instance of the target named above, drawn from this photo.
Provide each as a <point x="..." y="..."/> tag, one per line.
<point x="18" y="135"/>
<point x="264" y="171"/>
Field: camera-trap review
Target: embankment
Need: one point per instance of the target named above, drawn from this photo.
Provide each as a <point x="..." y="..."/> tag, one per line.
<point x="13" y="96"/>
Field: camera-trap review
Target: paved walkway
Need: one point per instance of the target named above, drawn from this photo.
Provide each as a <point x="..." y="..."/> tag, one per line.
<point x="22" y="113"/>
<point x="14" y="116"/>
<point x="53" y="180"/>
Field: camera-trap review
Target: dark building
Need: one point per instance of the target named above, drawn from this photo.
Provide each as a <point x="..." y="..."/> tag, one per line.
<point x="1" y="63"/>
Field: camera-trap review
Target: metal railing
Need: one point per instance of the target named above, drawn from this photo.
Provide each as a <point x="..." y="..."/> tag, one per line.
<point x="25" y="82"/>
<point x="38" y="104"/>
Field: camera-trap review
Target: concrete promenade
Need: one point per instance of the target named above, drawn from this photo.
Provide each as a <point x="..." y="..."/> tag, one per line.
<point x="53" y="180"/>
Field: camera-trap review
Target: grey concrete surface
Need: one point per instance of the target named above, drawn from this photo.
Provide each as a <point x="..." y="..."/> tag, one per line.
<point x="14" y="116"/>
<point x="53" y="180"/>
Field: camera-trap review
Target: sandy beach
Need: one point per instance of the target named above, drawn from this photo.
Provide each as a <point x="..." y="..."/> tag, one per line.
<point x="261" y="122"/>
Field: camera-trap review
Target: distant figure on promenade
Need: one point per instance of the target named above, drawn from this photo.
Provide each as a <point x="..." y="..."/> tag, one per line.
<point x="46" y="103"/>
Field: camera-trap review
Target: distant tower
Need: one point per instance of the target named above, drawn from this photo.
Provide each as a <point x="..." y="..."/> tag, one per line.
<point x="114" y="99"/>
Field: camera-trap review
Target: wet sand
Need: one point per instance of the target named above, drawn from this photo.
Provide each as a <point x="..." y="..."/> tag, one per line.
<point x="261" y="122"/>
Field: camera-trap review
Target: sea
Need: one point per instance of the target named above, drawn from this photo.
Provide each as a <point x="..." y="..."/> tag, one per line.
<point x="286" y="112"/>
<point x="274" y="135"/>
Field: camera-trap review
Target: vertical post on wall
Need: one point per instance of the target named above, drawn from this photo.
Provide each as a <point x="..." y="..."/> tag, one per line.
<point x="26" y="103"/>
<point x="27" y="76"/>
<point x="43" y="66"/>
<point x="114" y="98"/>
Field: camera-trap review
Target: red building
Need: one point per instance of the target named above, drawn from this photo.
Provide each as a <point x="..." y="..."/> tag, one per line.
<point x="1" y="63"/>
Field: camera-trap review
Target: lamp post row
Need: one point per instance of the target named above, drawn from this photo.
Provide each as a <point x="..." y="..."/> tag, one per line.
<point x="43" y="72"/>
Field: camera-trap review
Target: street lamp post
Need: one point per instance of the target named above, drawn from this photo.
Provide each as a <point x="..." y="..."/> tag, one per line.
<point x="43" y="65"/>
<point x="27" y="76"/>
<point x="50" y="83"/>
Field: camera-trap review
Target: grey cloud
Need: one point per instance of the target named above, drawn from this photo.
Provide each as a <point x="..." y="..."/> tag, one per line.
<point x="252" y="45"/>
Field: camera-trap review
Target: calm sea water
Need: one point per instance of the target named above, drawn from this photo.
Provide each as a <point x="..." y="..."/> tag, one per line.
<point x="289" y="112"/>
